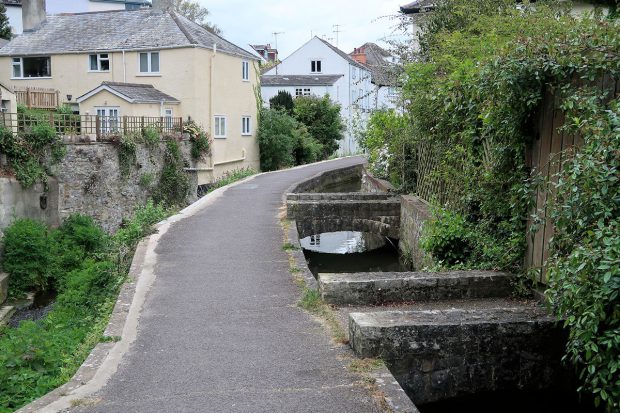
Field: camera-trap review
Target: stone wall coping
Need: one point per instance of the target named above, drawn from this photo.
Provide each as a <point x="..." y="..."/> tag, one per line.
<point x="499" y="315"/>
<point x="417" y="203"/>
<point x="364" y="277"/>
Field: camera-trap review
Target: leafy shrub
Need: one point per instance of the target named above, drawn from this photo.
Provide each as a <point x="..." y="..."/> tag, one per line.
<point x="26" y="256"/>
<point x="276" y="139"/>
<point x="447" y="237"/>
<point x="150" y="135"/>
<point x="322" y="118"/>
<point x="173" y="186"/>
<point x="81" y="231"/>
<point x="307" y="149"/>
<point x="282" y="101"/>
<point x="144" y="219"/>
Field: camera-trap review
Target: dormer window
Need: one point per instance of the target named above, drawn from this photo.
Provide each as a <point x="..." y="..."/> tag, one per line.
<point x="27" y="67"/>
<point x="99" y="62"/>
<point x="315" y="66"/>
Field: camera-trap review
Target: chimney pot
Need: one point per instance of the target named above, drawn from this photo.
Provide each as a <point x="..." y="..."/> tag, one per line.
<point x="33" y="14"/>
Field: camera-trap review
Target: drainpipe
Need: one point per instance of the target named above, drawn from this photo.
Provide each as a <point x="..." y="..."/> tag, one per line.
<point x="212" y="68"/>
<point x="124" y="67"/>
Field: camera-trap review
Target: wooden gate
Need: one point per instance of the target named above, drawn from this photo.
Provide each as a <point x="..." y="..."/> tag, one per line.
<point x="546" y="156"/>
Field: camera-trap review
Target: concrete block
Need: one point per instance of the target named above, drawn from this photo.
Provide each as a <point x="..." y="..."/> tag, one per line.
<point x="4" y="287"/>
<point x="6" y="312"/>
<point x="436" y="354"/>
<point x="378" y="288"/>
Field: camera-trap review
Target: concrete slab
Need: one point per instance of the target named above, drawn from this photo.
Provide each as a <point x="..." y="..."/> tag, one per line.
<point x="4" y="286"/>
<point x="6" y="311"/>
<point x="377" y="288"/>
<point x="438" y="354"/>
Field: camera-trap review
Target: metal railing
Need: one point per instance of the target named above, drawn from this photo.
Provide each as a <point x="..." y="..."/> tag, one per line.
<point x="100" y="127"/>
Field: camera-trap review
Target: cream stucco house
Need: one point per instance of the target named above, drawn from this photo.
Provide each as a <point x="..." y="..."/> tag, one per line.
<point x="150" y="62"/>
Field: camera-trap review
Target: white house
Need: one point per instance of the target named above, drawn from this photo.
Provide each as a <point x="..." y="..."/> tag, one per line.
<point x="319" y="68"/>
<point x="385" y="72"/>
<point x="14" y="8"/>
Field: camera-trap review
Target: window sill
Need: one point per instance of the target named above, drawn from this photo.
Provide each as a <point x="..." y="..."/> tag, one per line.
<point x="148" y="75"/>
<point x="219" y="137"/>
<point x="30" y="78"/>
<point x="246" y="134"/>
<point x="99" y="71"/>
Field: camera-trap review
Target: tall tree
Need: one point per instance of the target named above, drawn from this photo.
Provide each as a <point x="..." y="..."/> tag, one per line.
<point x="193" y="11"/>
<point x="5" y="29"/>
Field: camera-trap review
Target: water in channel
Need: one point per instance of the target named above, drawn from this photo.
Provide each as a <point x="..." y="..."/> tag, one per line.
<point x="349" y="252"/>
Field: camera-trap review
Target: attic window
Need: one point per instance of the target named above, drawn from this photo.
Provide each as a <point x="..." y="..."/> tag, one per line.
<point x="26" y="67"/>
<point x="315" y="66"/>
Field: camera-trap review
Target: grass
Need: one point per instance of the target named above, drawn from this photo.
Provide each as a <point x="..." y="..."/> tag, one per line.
<point x="312" y="302"/>
<point x="231" y="177"/>
<point x="290" y="247"/>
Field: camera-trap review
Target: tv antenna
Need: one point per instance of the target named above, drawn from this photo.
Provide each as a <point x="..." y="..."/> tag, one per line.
<point x="337" y="31"/>
<point x="275" y="35"/>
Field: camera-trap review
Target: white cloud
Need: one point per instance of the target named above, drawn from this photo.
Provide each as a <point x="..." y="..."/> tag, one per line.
<point x="246" y="22"/>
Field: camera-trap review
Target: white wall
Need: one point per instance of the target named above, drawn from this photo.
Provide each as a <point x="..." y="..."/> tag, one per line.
<point x="268" y="92"/>
<point x="14" y="14"/>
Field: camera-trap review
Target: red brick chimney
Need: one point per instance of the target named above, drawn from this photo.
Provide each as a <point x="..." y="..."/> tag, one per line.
<point x="359" y="55"/>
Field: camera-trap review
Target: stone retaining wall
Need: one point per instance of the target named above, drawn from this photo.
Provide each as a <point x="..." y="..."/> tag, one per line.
<point x="436" y="355"/>
<point x="88" y="181"/>
<point x="336" y="177"/>
<point x="414" y="213"/>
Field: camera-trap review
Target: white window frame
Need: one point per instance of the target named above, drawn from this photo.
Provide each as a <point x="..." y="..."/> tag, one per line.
<point x="246" y="126"/>
<point x="307" y="92"/>
<point x="109" y="123"/>
<point x="168" y="117"/>
<point x="218" y="122"/>
<point x="20" y="64"/>
<point x="316" y="64"/>
<point x="245" y="71"/>
<point x="299" y="92"/>
<point x="99" y="60"/>
<point x="149" y="62"/>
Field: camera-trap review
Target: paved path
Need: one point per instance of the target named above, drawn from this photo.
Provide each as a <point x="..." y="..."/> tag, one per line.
<point x="220" y="330"/>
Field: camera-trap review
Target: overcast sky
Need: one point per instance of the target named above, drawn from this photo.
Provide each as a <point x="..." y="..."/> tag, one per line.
<point x="246" y="22"/>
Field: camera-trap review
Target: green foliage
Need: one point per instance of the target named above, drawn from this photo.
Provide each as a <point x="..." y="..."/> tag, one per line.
<point x="26" y="256"/>
<point x="447" y="237"/>
<point x="39" y="356"/>
<point x="127" y="147"/>
<point x="174" y="185"/>
<point x="27" y="152"/>
<point x="146" y="180"/>
<point x="584" y="263"/>
<point x="385" y="142"/>
<point x="5" y="28"/>
<point x="230" y="177"/>
<point x="282" y="101"/>
<point x="276" y="139"/>
<point x="199" y="138"/>
<point x="306" y="149"/>
<point x="322" y="118"/>
<point x="472" y="102"/>
<point x="150" y="136"/>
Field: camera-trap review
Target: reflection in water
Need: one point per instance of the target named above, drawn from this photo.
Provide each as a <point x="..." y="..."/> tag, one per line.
<point x="350" y="251"/>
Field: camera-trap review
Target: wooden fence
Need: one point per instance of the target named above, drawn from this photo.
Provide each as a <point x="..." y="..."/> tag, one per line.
<point x="546" y="156"/>
<point x="37" y="98"/>
<point x="100" y="128"/>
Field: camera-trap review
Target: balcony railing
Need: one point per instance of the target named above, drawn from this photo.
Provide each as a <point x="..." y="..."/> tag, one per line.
<point x="101" y="128"/>
<point x="37" y="98"/>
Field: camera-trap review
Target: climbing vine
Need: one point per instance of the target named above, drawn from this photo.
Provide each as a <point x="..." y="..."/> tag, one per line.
<point x="472" y="100"/>
<point x="174" y="185"/>
<point x="199" y="138"/>
<point x="27" y="152"/>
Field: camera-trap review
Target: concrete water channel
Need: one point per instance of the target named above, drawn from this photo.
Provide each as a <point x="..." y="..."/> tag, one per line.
<point x="453" y="340"/>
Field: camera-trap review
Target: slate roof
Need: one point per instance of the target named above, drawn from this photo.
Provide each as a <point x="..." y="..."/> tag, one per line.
<point x="145" y="2"/>
<point x="144" y="29"/>
<point x="12" y="2"/>
<point x="418" y="6"/>
<point x="383" y="73"/>
<point x="299" y="80"/>
<point x="343" y="54"/>
<point x="133" y="92"/>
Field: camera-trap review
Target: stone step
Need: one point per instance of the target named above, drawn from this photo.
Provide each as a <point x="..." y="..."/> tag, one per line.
<point x="4" y="287"/>
<point x="438" y="354"/>
<point x="6" y="312"/>
<point x="376" y="288"/>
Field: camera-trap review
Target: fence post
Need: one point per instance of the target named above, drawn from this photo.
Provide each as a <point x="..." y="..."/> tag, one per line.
<point x="161" y="124"/>
<point x="58" y="98"/>
<point x="125" y="125"/>
<point x="28" y="103"/>
<point x="97" y="126"/>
